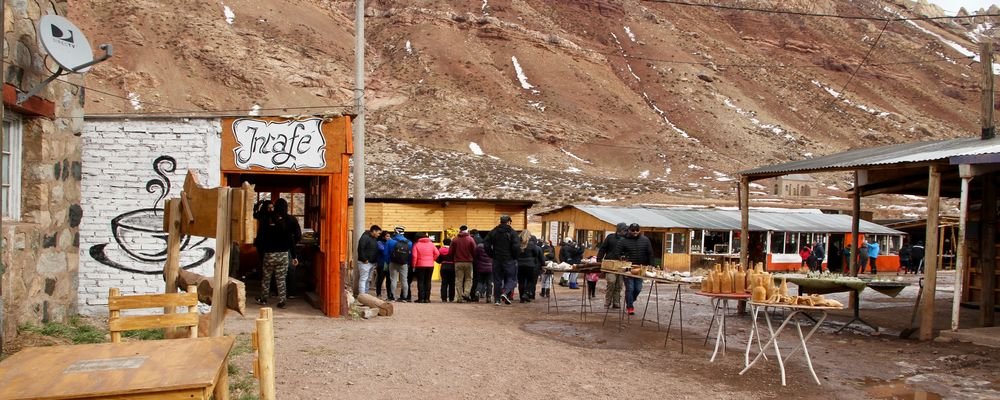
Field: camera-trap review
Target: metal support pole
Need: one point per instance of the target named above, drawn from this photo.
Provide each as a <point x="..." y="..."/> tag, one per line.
<point x="359" y="126"/>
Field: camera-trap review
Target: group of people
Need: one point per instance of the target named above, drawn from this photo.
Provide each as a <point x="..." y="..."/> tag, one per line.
<point x="472" y="267"/>
<point x="812" y="256"/>
<point x="491" y="267"/>
<point x="867" y="255"/>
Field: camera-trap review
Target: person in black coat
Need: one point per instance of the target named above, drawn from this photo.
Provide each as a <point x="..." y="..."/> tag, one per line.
<point x="636" y="248"/>
<point x="504" y="246"/>
<point x="528" y="265"/>
<point x="368" y="254"/>
<point x="571" y="253"/>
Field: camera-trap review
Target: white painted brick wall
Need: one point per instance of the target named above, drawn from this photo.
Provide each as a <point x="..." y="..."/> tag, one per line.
<point x="118" y="160"/>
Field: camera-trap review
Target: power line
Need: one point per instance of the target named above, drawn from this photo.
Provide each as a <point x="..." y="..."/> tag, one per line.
<point x="843" y="89"/>
<point x="810" y="14"/>
<point x="775" y="66"/>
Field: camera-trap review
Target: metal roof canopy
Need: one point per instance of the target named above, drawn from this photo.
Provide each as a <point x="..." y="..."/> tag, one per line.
<point x="938" y="168"/>
<point x="716" y="219"/>
<point x="906" y="155"/>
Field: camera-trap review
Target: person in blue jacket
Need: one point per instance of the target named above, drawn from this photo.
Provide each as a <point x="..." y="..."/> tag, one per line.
<point x="872" y="255"/>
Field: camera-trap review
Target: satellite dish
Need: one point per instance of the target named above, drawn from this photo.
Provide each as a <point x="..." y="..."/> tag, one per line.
<point x="68" y="46"/>
<point x="65" y="43"/>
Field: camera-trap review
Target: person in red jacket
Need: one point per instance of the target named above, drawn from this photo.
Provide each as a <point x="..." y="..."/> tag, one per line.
<point x="463" y="250"/>
<point x="424" y="254"/>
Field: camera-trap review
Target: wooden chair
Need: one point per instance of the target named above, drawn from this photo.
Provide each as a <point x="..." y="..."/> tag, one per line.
<point x="168" y="301"/>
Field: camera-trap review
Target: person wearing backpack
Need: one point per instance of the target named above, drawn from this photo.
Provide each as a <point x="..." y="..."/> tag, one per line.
<point x="398" y="249"/>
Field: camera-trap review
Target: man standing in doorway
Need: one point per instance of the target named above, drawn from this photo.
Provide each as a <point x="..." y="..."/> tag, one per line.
<point x="504" y="246"/>
<point x="613" y="295"/>
<point x="463" y="248"/>
<point x="873" y="250"/>
<point x="367" y="255"/>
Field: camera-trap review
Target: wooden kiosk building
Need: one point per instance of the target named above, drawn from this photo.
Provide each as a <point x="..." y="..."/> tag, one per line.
<point x="305" y="161"/>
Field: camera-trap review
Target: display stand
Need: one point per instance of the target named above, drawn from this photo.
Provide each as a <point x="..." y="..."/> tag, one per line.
<point x="653" y="287"/>
<point x="720" y="307"/>
<point x="795" y="310"/>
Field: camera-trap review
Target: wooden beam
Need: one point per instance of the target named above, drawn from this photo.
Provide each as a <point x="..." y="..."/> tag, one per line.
<point x="930" y="261"/>
<point x="744" y="192"/>
<point x="170" y="269"/>
<point x="987" y="250"/>
<point x="987" y="99"/>
<point x="223" y="246"/>
<point x="963" y="210"/>
<point x="855" y="226"/>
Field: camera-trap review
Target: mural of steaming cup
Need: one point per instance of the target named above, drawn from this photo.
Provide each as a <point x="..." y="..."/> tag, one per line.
<point x="141" y="244"/>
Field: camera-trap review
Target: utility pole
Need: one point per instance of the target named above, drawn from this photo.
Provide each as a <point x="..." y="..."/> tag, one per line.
<point x="359" y="128"/>
<point x="987" y="212"/>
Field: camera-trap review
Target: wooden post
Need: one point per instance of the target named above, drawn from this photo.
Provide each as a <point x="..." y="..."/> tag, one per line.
<point x="265" y="354"/>
<point x="171" y="268"/>
<point x="744" y="192"/>
<point x="986" y="99"/>
<point x="930" y="263"/>
<point x="114" y="314"/>
<point x="223" y="246"/>
<point x="963" y="210"/>
<point x="987" y="249"/>
<point x="855" y="226"/>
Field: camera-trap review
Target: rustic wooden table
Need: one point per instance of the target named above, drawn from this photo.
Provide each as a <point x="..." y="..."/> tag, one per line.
<point x="151" y="369"/>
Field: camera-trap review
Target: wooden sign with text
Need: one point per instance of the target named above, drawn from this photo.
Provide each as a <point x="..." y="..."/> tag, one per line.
<point x="308" y="144"/>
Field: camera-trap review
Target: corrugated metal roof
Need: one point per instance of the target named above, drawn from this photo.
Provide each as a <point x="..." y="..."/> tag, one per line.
<point x="884" y="155"/>
<point x="715" y="219"/>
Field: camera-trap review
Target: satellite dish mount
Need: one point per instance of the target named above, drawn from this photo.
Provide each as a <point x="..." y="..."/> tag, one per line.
<point x="68" y="46"/>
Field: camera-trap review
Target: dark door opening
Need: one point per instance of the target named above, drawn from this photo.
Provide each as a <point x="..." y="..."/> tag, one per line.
<point x="303" y="198"/>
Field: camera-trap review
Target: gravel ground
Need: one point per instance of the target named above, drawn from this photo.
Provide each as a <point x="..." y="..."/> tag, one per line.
<point x="448" y="350"/>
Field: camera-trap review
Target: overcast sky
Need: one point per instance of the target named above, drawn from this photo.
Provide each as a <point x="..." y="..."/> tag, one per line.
<point x="952" y="6"/>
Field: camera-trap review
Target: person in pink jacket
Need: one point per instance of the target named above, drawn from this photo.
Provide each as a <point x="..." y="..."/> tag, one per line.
<point x="424" y="254"/>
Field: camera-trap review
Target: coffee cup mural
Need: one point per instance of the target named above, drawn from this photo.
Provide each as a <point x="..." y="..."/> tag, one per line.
<point x="140" y="244"/>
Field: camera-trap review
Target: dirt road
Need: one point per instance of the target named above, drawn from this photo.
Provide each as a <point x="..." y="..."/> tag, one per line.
<point x="448" y="350"/>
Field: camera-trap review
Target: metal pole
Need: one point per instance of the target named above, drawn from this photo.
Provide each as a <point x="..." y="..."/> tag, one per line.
<point x="3" y="134"/>
<point x="359" y="124"/>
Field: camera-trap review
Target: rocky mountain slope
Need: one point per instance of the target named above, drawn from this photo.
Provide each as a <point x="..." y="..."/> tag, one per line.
<point x="620" y="101"/>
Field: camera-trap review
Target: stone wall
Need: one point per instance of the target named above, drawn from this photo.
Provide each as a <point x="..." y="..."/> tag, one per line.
<point x="130" y="168"/>
<point x="40" y="251"/>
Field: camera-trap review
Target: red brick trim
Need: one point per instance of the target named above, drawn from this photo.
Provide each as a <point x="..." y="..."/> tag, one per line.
<point x="34" y="106"/>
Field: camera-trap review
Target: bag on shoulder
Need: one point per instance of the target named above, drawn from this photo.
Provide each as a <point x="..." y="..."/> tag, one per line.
<point x="400" y="253"/>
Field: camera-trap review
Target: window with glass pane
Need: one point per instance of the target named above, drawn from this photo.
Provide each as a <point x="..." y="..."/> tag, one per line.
<point x="777" y="242"/>
<point x="10" y="163"/>
<point x="679" y="245"/>
<point x="696" y="241"/>
<point x="791" y="243"/>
